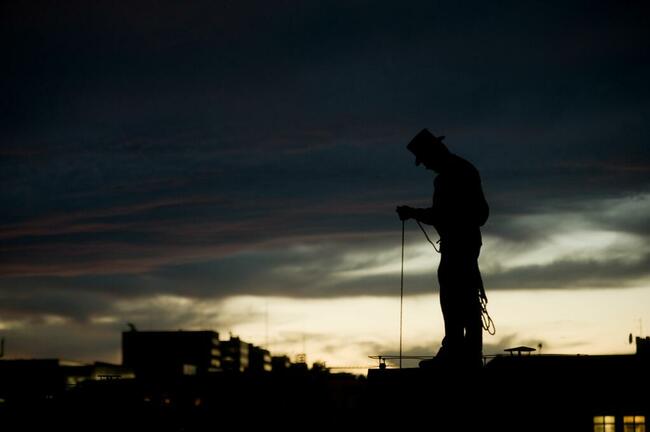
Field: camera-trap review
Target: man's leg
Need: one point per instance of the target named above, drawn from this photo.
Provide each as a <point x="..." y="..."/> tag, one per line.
<point x="474" y="334"/>
<point x="452" y="308"/>
<point x="472" y="311"/>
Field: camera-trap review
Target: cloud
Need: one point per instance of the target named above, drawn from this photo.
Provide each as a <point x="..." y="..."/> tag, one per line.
<point x="227" y="148"/>
<point x="571" y="274"/>
<point x="597" y="244"/>
<point x="61" y="339"/>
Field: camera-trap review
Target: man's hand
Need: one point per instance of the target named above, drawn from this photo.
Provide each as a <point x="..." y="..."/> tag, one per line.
<point x="405" y="212"/>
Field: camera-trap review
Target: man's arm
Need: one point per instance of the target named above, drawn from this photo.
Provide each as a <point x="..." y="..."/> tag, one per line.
<point x="425" y="215"/>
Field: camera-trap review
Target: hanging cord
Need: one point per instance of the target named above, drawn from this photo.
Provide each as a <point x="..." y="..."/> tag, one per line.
<point x="427" y="236"/>
<point x="486" y="320"/>
<point x="401" y="299"/>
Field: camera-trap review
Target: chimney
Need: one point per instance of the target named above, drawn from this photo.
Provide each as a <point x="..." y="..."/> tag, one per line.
<point x="643" y="346"/>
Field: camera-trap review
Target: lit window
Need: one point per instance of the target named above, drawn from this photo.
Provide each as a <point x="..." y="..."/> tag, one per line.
<point x="189" y="369"/>
<point x="604" y="424"/>
<point x="634" y="423"/>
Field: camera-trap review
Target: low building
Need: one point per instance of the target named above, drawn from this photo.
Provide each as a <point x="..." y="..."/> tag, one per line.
<point x="525" y="391"/>
<point x="280" y="363"/>
<point x="49" y="378"/>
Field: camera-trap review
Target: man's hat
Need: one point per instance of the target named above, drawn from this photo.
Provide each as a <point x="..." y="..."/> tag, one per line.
<point x="426" y="142"/>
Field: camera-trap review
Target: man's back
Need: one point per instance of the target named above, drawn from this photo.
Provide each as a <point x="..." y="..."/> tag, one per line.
<point x="459" y="202"/>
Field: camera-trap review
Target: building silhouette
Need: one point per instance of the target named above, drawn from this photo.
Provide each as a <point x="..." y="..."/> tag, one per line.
<point x="156" y="354"/>
<point x="235" y="355"/>
<point x="280" y="363"/>
<point x="259" y="359"/>
<point x="523" y="391"/>
<point x="46" y="379"/>
<point x="170" y="381"/>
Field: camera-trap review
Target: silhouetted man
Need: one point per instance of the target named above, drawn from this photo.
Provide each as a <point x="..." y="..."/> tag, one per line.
<point x="459" y="210"/>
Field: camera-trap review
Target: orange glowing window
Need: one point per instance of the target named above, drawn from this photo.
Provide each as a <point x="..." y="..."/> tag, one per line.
<point x="634" y="423"/>
<point x="604" y="424"/>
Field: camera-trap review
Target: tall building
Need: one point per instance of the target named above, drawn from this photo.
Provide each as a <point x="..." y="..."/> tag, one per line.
<point x="259" y="359"/>
<point x="235" y="355"/>
<point x="171" y="353"/>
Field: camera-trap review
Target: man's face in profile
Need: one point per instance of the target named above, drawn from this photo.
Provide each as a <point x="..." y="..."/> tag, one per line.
<point x="428" y="161"/>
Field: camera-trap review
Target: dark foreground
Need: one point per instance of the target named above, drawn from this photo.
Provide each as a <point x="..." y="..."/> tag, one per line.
<point x="511" y="393"/>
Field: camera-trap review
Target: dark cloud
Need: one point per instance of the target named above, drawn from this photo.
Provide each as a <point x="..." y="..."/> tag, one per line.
<point x="574" y="273"/>
<point x="214" y="148"/>
<point x="35" y="302"/>
<point x="63" y="340"/>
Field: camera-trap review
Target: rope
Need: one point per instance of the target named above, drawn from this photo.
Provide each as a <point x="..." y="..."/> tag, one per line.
<point x="401" y="299"/>
<point x="486" y="320"/>
<point x="427" y="236"/>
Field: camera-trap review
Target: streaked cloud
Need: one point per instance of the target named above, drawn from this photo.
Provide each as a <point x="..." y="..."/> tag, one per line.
<point x="159" y="160"/>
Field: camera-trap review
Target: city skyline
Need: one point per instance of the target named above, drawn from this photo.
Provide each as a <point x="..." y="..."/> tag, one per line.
<point x="236" y="167"/>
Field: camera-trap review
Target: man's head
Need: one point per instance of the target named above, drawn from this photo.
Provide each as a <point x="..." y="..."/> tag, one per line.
<point x="429" y="150"/>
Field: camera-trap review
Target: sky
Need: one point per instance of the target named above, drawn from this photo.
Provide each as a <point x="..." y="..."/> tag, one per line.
<point x="235" y="166"/>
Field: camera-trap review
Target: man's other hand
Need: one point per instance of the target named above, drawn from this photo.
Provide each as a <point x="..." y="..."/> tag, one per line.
<point x="405" y="212"/>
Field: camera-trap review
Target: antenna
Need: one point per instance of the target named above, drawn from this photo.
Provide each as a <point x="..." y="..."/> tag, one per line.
<point x="266" y="326"/>
<point x="401" y="298"/>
